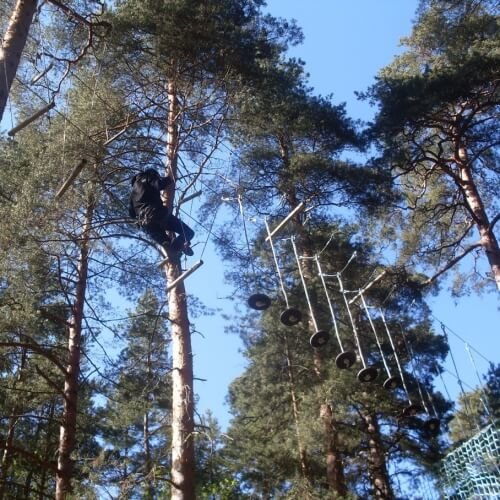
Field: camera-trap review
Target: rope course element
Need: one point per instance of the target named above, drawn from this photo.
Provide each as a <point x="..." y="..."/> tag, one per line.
<point x="190" y="197"/>
<point x="462" y="390"/>
<point x="41" y="74"/>
<point x="290" y="316"/>
<point x="72" y="176"/>
<point x="319" y="337"/>
<point x="184" y="275"/>
<point x="258" y="301"/>
<point x="413" y="408"/>
<point x="12" y="132"/>
<point x="367" y="373"/>
<point x="391" y="382"/>
<point x="345" y="359"/>
<point x="472" y="470"/>
<point x="408" y="410"/>
<point x="482" y="397"/>
<point x="368" y="286"/>
<point x="432" y="424"/>
<point x="297" y="209"/>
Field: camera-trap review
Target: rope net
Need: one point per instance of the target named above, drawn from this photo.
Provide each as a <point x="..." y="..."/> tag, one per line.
<point x="473" y="469"/>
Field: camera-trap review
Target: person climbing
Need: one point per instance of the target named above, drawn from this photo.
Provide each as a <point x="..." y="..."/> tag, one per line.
<point x="147" y="207"/>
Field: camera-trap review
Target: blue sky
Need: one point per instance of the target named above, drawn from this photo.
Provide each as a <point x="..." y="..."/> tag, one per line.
<point x="346" y="44"/>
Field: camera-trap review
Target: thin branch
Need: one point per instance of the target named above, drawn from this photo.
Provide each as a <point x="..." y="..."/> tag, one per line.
<point x="31" y="457"/>
<point x="452" y="262"/>
<point x="35" y="348"/>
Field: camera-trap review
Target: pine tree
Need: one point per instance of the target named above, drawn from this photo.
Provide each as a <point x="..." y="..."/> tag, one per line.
<point x="135" y="419"/>
<point x="13" y="44"/>
<point x="66" y="235"/>
<point x="290" y="151"/>
<point x="436" y="129"/>
<point x="195" y="55"/>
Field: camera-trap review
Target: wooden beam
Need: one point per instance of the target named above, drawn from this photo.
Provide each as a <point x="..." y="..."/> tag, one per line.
<point x="297" y="209"/>
<point x="190" y="197"/>
<point x="369" y="285"/>
<point x="31" y="119"/>
<point x="184" y="275"/>
<point x="41" y="74"/>
<point x="71" y="178"/>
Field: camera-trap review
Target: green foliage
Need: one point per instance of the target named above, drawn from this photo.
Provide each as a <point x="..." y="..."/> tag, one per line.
<point x="476" y="409"/>
<point x="437" y="134"/>
<point x="266" y="433"/>
<point x="137" y="391"/>
<point x="492" y="391"/>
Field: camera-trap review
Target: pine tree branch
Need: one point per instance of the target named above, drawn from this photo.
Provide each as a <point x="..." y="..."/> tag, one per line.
<point x="494" y="221"/>
<point x="35" y="348"/>
<point x="31" y="457"/>
<point x="71" y="13"/>
<point x="50" y="382"/>
<point x="451" y="263"/>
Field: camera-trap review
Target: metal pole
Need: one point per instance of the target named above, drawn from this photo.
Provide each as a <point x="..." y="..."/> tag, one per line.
<point x="276" y="263"/>
<point x="184" y="275"/>
<point x="304" y="285"/>
<point x="332" y="312"/>
<point x="298" y="208"/>
<point x="31" y="119"/>
<point x="71" y="178"/>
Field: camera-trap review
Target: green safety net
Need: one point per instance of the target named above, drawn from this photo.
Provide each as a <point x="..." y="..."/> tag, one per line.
<point x="472" y="471"/>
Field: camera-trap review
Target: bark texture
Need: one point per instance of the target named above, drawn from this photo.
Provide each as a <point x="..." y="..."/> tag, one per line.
<point x="183" y="457"/>
<point x="12" y="47"/>
<point x="334" y="465"/>
<point x="476" y="207"/>
<point x="67" y="431"/>
<point x="377" y="467"/>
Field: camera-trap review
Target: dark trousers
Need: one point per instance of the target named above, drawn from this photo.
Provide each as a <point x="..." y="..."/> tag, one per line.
<point x="160" y="222"/>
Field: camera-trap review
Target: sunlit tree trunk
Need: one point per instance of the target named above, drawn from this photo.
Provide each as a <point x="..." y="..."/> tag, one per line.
<point x="475" y="205"/>
<point x="304" y="467"/>
<point x="67" y="430"/>
<point x="377" y="467"/>
<point x="12" y="47"/>
<point x="148" y="465"/>
<point x="183" y="458"/>
<point x="334" y="466"/>
<point x="9" y="439"/>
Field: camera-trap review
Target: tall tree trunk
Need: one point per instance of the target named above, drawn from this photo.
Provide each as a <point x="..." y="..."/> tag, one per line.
<point x="377" y="467"/>
<point x="67" y="430"/>
<point x="48" y="453"/>
<point x="12" y="47"/>
<point x="9" y="440"/>
<point x="148" y="466"/>
<point x="304" y="467"/>
<point x="334" y="466"/>
<point x="476" y="207"/>
<point x="7" y="455"/>
<point x="183" y="458"/>
<point x="147" y="458"/>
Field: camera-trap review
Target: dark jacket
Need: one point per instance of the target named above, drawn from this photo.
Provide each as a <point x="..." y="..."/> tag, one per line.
<point x="145" y="197"/>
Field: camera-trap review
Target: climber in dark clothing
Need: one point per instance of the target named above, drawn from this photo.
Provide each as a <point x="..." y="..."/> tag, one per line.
<point x="147" y="207"/>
